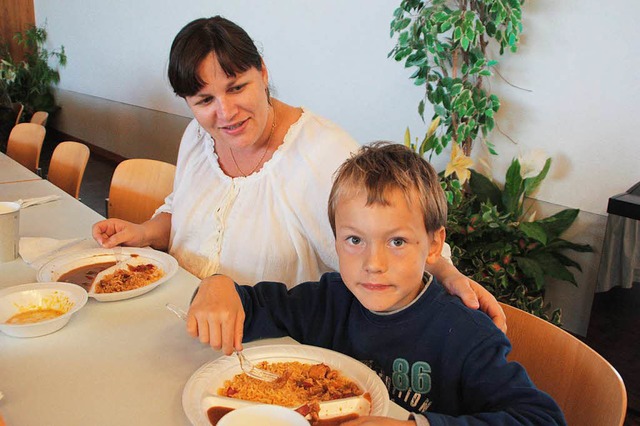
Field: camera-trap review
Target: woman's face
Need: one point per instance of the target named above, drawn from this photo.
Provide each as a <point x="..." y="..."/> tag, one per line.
<point x="233" y="110"/>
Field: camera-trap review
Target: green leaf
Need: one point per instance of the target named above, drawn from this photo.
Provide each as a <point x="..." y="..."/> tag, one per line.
<point x="531" y="184"/>
<point x="512" y="194"/>
<point x="484" y="189"/>
<point x="552" y="267"/>
<point x="421" y="109"/>
<point x="531" y="269"/>
<point x="560" y="244"/>
<point x="535" y="231"/>
<point x="407" y="138"/>
<point x="566" y="261"/>
<point x="491" y="147"/>
<point x="464" y="42"/>
<point x="457" y="33"/>
<point x="558" y="223"/>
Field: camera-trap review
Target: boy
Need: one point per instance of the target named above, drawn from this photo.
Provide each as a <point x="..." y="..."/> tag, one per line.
<point x="443" y="362"/>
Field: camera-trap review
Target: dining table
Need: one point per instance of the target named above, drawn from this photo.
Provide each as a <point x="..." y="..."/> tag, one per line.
<point x="119" y="363"/>
<point x="12" y="171"/>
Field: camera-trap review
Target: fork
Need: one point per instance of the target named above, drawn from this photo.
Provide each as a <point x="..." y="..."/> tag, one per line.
<point x="255" y="372"/>
<point x="247" y="366"/>
<point x="117" y="253"/>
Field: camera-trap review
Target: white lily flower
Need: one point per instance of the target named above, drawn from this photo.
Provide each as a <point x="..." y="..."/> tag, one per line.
<point x="532" y="164"/>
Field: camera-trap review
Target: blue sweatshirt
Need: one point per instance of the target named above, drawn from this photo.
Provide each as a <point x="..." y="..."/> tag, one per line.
<point x="437" y="357"/>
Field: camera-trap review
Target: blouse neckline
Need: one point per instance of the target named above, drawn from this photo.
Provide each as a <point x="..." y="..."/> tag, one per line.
<point x="268" y="165"/>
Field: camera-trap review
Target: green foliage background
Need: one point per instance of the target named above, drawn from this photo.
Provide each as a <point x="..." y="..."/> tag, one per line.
<point x="445" y="42"/>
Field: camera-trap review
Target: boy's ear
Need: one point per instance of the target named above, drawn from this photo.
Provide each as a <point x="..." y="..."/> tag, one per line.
<point x="437" y="241"/>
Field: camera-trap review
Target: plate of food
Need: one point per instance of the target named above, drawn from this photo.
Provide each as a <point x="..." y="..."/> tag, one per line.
<point x="319" y="383"/>
<point x="107" y="277"/>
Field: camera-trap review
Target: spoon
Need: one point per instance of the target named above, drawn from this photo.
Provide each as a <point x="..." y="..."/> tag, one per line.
<point x="246" y="365"/>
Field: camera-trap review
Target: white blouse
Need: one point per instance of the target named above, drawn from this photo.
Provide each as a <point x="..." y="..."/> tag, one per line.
<point x="271" y="225"/>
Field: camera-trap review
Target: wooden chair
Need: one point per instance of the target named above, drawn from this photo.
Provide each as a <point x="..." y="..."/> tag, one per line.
<point x="25" y="144"/>
<point x="138" y="187"/>
<point x="18" y="108"/>
<point x="40" y="117"/>
<point x="587" y="388"/>
<point x="68" y="162"/>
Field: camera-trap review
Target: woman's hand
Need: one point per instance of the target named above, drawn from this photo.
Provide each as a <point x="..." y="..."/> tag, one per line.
<point x="114" y="232"/>
<point x="216" y="315"/>
<point x="473" y="295"/>
<point x="378" y="421"/>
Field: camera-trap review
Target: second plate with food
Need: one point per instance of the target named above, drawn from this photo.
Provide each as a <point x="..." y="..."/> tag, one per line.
<point x="83" y="267"/>
<point x="200" y="394"/>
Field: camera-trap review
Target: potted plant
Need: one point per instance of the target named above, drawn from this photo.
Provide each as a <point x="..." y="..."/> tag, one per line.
<point x="447" y="43"/>
<point x="31" y="80"/>
<point x="498" y="243"/>
<point x="493" y="239"/>
<point x="7" y="115"/>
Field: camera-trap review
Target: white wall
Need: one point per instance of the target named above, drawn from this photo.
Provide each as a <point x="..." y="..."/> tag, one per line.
<point x="329" y="56"/>
<point x="577" y="58"/>
<point x="577" y="61"/>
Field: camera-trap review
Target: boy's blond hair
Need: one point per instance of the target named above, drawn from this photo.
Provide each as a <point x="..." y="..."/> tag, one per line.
<point x="384" y="166"/>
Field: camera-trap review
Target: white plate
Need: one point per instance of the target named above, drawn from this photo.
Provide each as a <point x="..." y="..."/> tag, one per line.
<point x="58" y="266"/>
<point x="200" y="392"/>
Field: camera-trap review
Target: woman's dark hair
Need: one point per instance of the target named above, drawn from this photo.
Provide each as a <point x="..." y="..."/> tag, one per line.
<point x="232" y="46"/>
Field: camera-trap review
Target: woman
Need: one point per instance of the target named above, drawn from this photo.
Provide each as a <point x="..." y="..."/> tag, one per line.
<point x="253" y="176"/>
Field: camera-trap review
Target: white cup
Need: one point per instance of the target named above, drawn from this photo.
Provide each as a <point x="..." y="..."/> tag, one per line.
<point x="272" y="415"/>
<point x="9" y="230"/>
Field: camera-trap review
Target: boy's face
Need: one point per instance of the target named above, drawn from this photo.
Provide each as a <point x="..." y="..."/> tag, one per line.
<point x="382" y="250"/>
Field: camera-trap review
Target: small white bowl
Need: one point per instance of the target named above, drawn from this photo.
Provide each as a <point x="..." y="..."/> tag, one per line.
<point x="65" y="296"/>
<point x="263" y="414"/>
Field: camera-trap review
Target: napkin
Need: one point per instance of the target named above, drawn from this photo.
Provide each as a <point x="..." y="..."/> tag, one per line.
<point x="38" y="200"/>
<point x="37" y="251"/>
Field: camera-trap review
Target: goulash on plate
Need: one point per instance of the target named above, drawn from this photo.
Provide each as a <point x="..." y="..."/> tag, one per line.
<point x="300" y="386"/>
<point x="135" y="276"/>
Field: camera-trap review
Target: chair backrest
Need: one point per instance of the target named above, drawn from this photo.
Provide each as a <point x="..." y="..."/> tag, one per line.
<point x="67" y="166"/>
<point x="25" y="143"/>
<point x="587" y="388"/>
<point x="17" y="110"/>
<point x="138" y="187"/>
<point x="40" y="117"/>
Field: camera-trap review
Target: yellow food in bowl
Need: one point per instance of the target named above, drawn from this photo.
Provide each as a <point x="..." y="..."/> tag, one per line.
<point x="46" y="308"/>
<point x="35" y="315"/>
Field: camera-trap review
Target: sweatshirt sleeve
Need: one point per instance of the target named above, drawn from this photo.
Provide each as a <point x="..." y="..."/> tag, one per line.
<point x="309" y="312"/>
<point x="499" y="392"/>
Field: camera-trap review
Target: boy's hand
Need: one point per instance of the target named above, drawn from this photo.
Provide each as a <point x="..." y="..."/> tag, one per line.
<point x="216" y="315"/>
<point x="378" y="421"/>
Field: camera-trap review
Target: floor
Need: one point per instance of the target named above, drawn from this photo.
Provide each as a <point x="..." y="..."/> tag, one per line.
<point x="614" y="328"/>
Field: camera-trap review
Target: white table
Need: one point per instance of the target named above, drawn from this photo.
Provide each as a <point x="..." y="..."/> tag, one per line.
<point x="115" y="363"/>
<point x="12" y="171"/>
